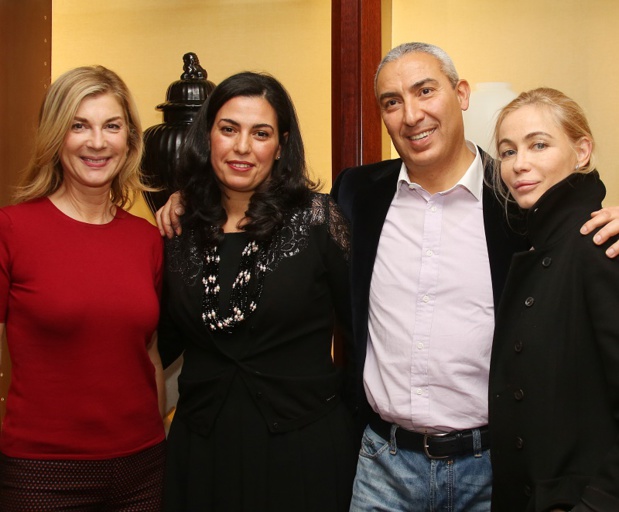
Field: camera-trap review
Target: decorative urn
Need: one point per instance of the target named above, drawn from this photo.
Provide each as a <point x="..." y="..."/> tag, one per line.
<point x="162" y="142"/>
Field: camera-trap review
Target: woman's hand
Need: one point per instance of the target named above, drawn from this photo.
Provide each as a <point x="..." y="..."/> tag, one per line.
<point x="169" y="216"/>
<point x="608" y="219"/>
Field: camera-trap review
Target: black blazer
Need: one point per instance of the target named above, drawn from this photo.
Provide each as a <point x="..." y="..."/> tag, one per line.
<point x="364" y="194"/>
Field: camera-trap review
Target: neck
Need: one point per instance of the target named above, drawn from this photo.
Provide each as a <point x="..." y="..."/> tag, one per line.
<point x="443" y="175"/>
<point x="91" y="207"/>
<point x="235" y="210"/>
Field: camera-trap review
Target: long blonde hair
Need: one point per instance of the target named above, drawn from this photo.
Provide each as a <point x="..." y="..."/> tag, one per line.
<point x="568" y="115"/>
<point x="44" y="173"/>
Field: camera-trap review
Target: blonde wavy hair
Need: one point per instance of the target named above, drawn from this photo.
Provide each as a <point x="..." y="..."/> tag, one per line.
<point x="44" y="174"/>
<point x="566" y="113"/>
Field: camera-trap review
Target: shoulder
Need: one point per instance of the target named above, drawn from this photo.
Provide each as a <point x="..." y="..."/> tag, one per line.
<point x="370" y="171"/>
<point x="323" y="209"/>
<point x="354" y="180"/>
<point x="26" y="212"/>
<point x="138" y="227"/>
<point x="326" y="212"/>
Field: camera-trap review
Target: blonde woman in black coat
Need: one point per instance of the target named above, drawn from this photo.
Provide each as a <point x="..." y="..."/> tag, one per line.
<point x="554" y="380"/>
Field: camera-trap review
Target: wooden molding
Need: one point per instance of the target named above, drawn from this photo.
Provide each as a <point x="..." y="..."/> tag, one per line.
<point x="355" y="54"/>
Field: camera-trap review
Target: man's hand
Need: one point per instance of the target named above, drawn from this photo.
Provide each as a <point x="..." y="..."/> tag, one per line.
<point x="608" y="218"/>
<point x="168" y="216"/>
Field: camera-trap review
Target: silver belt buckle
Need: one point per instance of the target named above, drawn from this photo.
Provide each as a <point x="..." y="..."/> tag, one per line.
<point x="426" y="437"/>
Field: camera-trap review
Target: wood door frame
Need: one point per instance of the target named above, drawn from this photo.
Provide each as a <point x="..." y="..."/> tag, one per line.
<point x="355" y="54"/>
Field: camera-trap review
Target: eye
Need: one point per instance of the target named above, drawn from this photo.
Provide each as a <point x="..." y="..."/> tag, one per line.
<point x="425" y="91"/>
<point x="76" y="127"/>
<point x="115" y="127"/>
<point x="227" y="130"/>
<point x="506" y="153"/>
<point x="540" y="146"/>
<point x="261" y="134"/>
<point x="390" y="104"/>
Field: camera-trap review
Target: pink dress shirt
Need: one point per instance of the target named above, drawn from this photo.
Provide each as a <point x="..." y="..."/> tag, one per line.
<point x="431" y="315"/>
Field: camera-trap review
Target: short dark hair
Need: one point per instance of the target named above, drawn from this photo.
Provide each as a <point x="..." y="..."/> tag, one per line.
<point x="288" y="187"/>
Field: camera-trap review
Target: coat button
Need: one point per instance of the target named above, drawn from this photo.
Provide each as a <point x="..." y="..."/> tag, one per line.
<point x="527" y="490"/>
<point x="259" y="394"/>
<point x="518" y="346"/>
<point x="529" y="301"/>
<point x="519" y="394"/>
<point x="519" y="443"/>
<point x="275" y="426"/>
<point x="546" y="262"/>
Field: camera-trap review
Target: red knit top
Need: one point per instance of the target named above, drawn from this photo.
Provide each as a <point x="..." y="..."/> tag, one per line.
<point x="80" y="303"/>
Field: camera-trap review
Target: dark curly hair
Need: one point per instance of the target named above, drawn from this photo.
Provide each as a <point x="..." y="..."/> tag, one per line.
<point x="287" y="188"/>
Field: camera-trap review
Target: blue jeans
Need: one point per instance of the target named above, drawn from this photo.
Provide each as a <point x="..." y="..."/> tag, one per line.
<point x="390" y="479"/>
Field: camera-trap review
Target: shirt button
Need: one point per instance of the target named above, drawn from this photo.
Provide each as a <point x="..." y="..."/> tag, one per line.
<point x="518" y="346"/>
<point x="419" y="391"/>
<point x="546" y="262"/>
<point x="519" y="443"/>
<point x="529" y="302"/>
<point x="519" y="394"/>
<point x="429" y="252"/>
<point x="419" y="345"/>
<point x="426" y="299"/>
<point x="433" y="208"/>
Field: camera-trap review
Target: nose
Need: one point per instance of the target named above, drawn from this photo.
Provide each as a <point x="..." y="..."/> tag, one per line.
<point x="521" y="162"/>
<point x="412" y="113"/>
<point x="242" y="144"/>
<point x="97" y="139"/>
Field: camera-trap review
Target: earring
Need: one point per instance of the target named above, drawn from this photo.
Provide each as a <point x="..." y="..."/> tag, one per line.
<point x="277" y="157"/>
<point x="577" y="167"/>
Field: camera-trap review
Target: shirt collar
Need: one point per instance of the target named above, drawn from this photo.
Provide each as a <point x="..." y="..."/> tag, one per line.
<point x="472" y="180"/>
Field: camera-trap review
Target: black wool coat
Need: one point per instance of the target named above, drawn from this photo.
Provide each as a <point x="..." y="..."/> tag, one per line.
<point x="554" y="377"/>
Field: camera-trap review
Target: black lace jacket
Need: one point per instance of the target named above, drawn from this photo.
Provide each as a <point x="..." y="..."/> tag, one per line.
<point x="282" y="351"/>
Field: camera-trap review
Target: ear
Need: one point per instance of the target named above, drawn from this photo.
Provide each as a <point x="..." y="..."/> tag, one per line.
<point x="463" y="90"/>
<point x="583" y="149"/>
<point x="279" y="149"/>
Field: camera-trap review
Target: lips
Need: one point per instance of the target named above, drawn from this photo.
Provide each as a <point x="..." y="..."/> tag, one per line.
<point x="523" y="186"/>
<point x="240" y="165"/>
<point x="95" y="162"/>
<point x="422" y="135"/>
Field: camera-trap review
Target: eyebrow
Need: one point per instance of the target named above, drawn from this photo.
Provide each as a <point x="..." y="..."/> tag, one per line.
<point x="84" y="120"/>
<point x="528" y="136"/>
<point x="417" y="85"/>
<point x="236" y="123"/>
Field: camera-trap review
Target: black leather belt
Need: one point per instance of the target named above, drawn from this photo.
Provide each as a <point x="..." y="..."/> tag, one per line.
<point x="435" y="446"/>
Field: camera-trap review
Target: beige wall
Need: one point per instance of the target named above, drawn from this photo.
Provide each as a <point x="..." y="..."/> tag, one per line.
<point x="144" y="41"/>
<point x="570" y="45"/>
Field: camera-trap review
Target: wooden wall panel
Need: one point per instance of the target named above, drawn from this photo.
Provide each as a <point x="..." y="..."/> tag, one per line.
<point x="355" y="118"/>
<point x="25" y="73"/>
<point x="356" y="52"/>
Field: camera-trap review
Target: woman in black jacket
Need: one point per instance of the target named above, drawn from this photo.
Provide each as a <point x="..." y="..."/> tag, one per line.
<point x="253" y="288"/>
<point x="554" y="379"/>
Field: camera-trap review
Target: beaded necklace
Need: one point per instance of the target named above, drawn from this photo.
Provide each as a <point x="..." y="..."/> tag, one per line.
<point x="243" y="301"/>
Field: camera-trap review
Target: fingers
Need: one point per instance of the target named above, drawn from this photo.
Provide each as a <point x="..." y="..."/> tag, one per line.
<point x="175" y="218"/>
<point x="164" y="222"/>
<point x="168" y="217"/>
<point x="608" y="220"/>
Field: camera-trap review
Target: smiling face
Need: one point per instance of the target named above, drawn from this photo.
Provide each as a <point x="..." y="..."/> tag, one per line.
<point x="95" y="147"/>
<point x="422" y="111"/>
<point x="244" y="145"/>
<point x="536" y="153"/>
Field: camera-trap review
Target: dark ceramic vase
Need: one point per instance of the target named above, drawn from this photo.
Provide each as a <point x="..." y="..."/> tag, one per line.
<point x="162" y="142"/>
